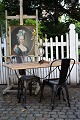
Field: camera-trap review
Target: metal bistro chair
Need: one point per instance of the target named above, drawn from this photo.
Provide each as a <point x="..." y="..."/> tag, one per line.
<point x="59" y="85"/>
<point x="22" y="77"/>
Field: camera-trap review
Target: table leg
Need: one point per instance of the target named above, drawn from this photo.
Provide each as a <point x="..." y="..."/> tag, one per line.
<point x="9" y="85"/>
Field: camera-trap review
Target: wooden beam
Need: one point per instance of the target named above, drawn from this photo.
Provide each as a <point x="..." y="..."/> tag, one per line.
<point x="27" y="16"/>
<point x="13" y="17"/>
<point x="18" y="17"/>
<point x="21" y="12"/>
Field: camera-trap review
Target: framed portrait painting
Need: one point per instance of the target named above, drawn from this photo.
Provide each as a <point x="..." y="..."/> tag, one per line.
<point x="21" y="40"/>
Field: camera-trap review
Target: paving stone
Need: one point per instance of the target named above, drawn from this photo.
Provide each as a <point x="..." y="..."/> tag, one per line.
<point x="71" y="116"/>
<point x="4" y="118"/>
<point x="54" y="116"/>
<point x="62" y="116"/>
<point x="78" y="116"/>
<point x="59" y="119"/>
<point x="50" y="119"/>
<point x="77" y="119"/>
<point x="69" y="119"/>
<point x="39" y="111"/>
<point x="41" y="119"/>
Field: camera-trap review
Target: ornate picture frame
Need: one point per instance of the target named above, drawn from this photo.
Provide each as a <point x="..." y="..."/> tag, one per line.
<point x="27" y="32"/>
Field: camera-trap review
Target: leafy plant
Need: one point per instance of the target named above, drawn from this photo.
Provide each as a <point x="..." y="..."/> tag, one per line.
<point x="78" y="28"/>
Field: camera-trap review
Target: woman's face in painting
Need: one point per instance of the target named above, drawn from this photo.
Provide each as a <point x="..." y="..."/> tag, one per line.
<point x="21" y="40"/>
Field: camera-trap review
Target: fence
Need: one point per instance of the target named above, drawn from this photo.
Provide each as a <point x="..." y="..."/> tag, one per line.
<point x="58" y="47"/>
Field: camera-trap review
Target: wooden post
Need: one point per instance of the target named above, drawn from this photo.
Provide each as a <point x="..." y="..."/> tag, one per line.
<point x="73" y="51"/>
<point x="37" y="24"/>
<point x="36" y="39"/>
<point x="21" y="12"/>
<point x="7" y="40"/>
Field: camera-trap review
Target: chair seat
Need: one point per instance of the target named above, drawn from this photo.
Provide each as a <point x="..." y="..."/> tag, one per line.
<point x="29" y="77"/>
<point x="52" y="81"/>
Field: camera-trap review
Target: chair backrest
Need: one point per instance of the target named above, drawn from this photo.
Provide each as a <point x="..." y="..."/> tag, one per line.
<point x="21" y="59"/>
<point x="66" y="68"/>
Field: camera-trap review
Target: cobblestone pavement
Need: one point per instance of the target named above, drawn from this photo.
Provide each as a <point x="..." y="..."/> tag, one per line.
<point x="11" y="110"/>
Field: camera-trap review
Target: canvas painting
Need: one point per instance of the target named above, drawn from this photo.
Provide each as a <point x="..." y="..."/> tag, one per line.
<point x="21" y="40"/>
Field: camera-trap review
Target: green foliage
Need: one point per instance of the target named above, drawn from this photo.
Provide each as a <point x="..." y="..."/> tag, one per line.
<point x="13" y="22"/>
<point x="12" y="6"/>
<point x="2" y="17"/>
<point x="52" y="30"/>
<point x="30" y="22"/>
<point x="47" y="25"/>
<point x="33" y="22"/>
<point x="79" y="51"/>
<point x="78" y="28"/>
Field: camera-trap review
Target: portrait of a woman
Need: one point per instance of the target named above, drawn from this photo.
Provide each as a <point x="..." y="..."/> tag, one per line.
<point x="22" y="42"/>
<point x="21" y="49"/>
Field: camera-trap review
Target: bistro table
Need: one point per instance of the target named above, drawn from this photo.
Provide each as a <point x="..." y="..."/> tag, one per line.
<point x="18" y="66"/>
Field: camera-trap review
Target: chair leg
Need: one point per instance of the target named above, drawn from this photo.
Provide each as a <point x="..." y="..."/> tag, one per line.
<point x="30" y="88"/>
<point x="23" y="95"/>
<point x="63" y="94"/>
<point x="19" y="90"/>
<point x="52" y="99"/>
<point x="24" y="98"/>
<point x="42" y="89"/>
<point x="67" y="94"/>
<point x="53" y="96"/>
<point x="59" y="92"/>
